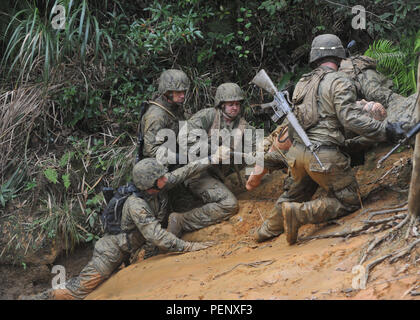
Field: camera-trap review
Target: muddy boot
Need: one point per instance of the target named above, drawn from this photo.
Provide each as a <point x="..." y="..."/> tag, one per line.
<point x="175" y="222"/>
<point x="291" y="221"/>
<point x="271" y="227"/>
<point x="316" y="211"/>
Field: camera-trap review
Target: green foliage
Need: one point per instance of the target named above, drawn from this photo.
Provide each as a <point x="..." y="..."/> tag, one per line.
<point x="51" y="174"/>
<point x="33" y="41"/>
<point x="10" y="189"/>
<point x="66" y="181"/>
<point x="30" y="185"/>
<point x="163" y="30"/>
<point x="110" y="55"/>
<point x="80" y="105"/>
<point x="59" y="221"/>
<point x="398" y="61"/>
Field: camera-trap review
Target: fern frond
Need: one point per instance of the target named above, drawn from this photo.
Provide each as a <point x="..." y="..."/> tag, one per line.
<point x="396" y="61"/>
<point x="387" y="55"/>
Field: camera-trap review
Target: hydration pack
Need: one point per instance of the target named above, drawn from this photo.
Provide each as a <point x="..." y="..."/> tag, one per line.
<point x="111" y="216"/>
<point x="305" y="97"/>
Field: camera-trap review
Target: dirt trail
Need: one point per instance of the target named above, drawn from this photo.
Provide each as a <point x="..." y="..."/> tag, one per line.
<point x="239" y="268"/>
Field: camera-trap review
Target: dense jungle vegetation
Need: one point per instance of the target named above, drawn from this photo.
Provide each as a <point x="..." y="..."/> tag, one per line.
<point x="71" y="88"/>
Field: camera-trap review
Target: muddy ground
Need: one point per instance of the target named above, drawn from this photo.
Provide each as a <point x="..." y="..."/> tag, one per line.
<point x="239" y="268"/>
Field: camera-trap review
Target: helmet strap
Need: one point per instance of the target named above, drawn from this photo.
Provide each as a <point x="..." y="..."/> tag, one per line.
<point x="169" y="97"/>
<point x="226" y="115"/>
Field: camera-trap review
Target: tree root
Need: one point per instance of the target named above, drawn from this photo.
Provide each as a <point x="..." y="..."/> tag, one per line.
<point x="393" y="223"/>
<point x="251" y="264"/>
<point x="395" y="255"/>
<point x="390" y="223"/>
<point x="367" y="225"/>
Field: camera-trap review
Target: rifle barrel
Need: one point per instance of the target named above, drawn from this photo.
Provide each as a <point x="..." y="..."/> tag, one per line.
<point x="387" y="155"/>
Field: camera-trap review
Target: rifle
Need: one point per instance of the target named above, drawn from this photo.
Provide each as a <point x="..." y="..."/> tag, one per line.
<point x="140" y="138"/>
<point x="281" y="109"/>
<point x="412" y="132"/>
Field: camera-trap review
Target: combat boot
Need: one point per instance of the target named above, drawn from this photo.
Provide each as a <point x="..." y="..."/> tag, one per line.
<point x="293" y="220"/>
<point x="316" y="211"/>
<point x="175" y="222"/>
<point x="271" y="227"/>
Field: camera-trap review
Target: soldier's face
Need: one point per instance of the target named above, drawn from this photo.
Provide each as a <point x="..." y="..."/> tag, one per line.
<point x="232" y="108"/>
<point x="178" y="96"/>
<point x="160" y="184"/>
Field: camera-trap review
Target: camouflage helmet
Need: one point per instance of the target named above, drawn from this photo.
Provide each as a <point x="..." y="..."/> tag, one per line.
<point x="228" y="92"/>
<point x="326" y="45"/>
<point x="146" y="172"/>
<point x="173" y="80"/>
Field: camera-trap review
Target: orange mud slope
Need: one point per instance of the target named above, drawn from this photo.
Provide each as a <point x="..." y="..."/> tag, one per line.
<point x="239" y="268"/>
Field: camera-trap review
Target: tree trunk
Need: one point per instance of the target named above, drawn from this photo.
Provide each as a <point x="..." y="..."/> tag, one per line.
<point x="414" y="194"/>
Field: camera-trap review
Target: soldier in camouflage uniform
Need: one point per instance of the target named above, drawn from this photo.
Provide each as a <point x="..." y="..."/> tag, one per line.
<point x="325" y="104"/>
<point x="373" y="86"/>
<point x="220" y="202"/>
<point x="140" y="222"/>
<point x="165" y="111"/>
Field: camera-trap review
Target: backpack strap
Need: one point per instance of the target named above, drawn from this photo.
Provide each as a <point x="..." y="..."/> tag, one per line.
<point x="163" y="108"/>
<point x="305" y="97"/>
<point x="216" y="122"/>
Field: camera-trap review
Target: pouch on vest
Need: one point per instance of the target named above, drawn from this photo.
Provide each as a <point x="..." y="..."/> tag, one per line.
<point x="305" y="102"/>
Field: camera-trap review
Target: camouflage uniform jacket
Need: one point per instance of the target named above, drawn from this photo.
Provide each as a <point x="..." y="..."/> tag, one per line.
<point x="142" y="218"/>
<point x="370" y="84"/>
<point x="338" y="110"/>
<point x="211" y="118"/>
<point x="155" y="119"/>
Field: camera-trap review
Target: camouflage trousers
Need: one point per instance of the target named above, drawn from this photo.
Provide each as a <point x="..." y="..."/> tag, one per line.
<point x="273" y="160"/>
<point x="338" y="180"/>
<point x="219" y="202"/>
<point x="109" y="253"/>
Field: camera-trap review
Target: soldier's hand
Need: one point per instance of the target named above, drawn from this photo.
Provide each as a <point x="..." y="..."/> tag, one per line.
<point x="195" y="246"/>
<point x="221" y="154"/>
<point x="394" y="131"/>
<point x="375" y="110"/>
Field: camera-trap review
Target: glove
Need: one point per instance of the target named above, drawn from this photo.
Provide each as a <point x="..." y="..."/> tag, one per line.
<point x="195" y="246"/>
<point x="394" y="131"/>
<point x="221" y="154"/>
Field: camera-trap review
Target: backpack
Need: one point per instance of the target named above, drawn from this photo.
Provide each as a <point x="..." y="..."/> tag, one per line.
<point x="305" y="102"/>
<point x="111" y="216"/>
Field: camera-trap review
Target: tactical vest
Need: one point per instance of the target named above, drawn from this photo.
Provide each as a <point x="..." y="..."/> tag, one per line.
<point x="305" y="97"/>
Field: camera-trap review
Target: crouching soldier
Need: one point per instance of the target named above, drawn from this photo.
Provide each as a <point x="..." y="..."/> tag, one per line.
<point x="325" y="112"/>
<point x="141" y="220"/>
<point x="219" y="202"/>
